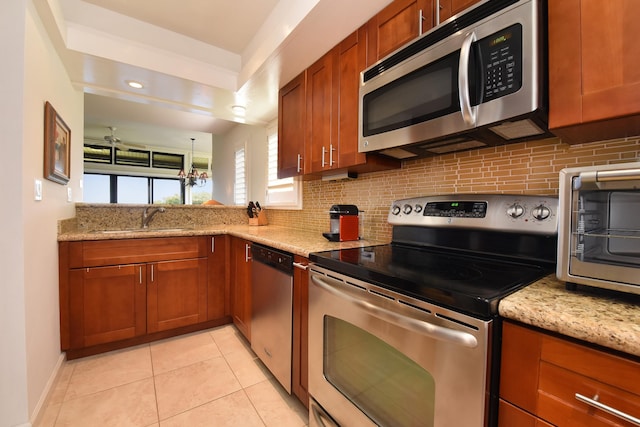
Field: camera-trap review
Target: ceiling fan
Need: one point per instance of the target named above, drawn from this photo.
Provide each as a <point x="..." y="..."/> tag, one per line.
<point x="112" y="140"/>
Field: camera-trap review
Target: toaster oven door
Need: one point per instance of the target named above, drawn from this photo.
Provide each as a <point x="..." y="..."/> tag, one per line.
<point x="605" y="230"/>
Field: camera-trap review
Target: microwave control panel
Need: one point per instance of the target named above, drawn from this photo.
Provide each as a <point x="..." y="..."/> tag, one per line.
<point x="501" y="62"/>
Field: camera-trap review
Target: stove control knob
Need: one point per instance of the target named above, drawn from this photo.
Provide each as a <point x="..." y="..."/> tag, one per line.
<point x="417" y="208"/>
<point x="406" y="209"/>
<point x="541" y="212"/>
<point x="515" y="210"/>
<point x="395" y="210"/>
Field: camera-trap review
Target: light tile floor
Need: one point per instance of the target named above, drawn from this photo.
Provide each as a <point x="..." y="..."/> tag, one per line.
<point x="208" y="378"/>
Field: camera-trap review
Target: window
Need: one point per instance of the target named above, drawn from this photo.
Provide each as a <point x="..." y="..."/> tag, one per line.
<point x="133" y="158"/>
<point x="280" y="192"/>
<point x="105" y="188"/>
<point x="167" y="160"/>
<point x="141" y="176"/>
<point x="240" y="185"/>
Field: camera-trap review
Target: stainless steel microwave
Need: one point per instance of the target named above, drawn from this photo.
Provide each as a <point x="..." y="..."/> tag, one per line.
<point x="599" y="227"/>
<point x="478" y="79"/>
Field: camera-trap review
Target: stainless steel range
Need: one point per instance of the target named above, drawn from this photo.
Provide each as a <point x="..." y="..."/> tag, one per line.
<point x="407" y="334"/>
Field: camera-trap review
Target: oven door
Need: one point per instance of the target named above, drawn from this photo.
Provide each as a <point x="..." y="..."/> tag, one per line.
<point x="378" y="358"/>
<point x="605" y="229"/>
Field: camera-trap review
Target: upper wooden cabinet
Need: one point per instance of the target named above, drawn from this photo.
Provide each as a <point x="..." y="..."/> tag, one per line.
<point x="447" y="8"/>
<point x="542" y="375"/>
<point x="292" y="103"/>
<point x="397" y="24"/>
<point x="594" y="69"/>
<point x="319" y="113"/>
<point x="318" y="116"/>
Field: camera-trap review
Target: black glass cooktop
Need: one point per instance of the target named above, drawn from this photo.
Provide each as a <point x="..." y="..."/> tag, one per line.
<point x="473" y="284"/>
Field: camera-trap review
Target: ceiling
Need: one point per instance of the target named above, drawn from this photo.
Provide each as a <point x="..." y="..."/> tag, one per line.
<point x="195" y="58"/>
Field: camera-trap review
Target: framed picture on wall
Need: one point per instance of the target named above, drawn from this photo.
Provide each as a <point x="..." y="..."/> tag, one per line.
<point x="57" y="146"/>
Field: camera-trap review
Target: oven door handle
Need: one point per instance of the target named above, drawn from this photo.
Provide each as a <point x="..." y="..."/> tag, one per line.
<point x="419" y="326"/>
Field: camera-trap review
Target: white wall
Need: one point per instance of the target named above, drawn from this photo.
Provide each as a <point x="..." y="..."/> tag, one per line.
<point x="254" y="139"/>
<point x="29" y="318"/>
<point x="13" y="366"/>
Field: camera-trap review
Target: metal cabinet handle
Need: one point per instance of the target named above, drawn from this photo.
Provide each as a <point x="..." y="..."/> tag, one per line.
<point x="151" y="273"/>
<point x="213" y="245"/>
<point x="421" y="19"/>
<point x="331" y="150"/>
<point x="468" y="112"/>
<point x="301" y="266"/>
<point x="438" y="9"/>
<point x="299" y="167"/>
<point x="421" y="327"/>
<point x="141" y="275"/>
<point x="323" y="151"/>
<point x="608" y="409"/>
<point x="247" y="248"/>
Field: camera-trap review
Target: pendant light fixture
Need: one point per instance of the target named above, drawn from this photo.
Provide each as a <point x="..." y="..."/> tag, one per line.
<point x="193" y="178"/>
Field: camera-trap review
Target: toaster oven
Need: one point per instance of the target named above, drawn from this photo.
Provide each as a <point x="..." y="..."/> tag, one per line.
<point x="599" y="227"/>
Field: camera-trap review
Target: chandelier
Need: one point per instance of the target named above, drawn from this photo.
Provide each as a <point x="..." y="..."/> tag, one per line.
<point x="193" y="178"/>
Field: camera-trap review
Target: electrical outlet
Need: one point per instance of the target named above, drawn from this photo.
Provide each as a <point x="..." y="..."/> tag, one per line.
<point x="69" y="195"/>
<point x="37" y="190"/>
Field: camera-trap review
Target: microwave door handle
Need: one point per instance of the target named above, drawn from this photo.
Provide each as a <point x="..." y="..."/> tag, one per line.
<point x="419" y="326"/>
<point x="468" y="113"/>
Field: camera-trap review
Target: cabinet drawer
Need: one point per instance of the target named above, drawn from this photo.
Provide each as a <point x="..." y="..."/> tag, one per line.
<point x="98" y="253"/>
<point x="557" y="401"/>
<point x="541" y="375"/>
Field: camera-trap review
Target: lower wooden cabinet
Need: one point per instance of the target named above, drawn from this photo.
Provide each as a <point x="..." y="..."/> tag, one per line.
<point x="106" y="304"/>
<point x="240" y="263"/>
<point x="542" y="378"/>
<point x="300" y="374"/>
<point x="176" y="294"/>
<point x="108" y="300"/>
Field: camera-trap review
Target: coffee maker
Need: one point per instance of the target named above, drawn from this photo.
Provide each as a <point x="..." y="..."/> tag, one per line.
<point x="343" y="223"/>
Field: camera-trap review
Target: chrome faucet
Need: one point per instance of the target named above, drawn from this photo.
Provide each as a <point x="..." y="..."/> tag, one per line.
<point x="147" y="217"/>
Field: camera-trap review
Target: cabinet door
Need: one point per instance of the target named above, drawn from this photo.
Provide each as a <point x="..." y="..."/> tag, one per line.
<point x="396" y="25"/>
<point x="106" y="304"/>
<point x="512" y="416"/>
<point x="176" y="294"/>
<point x="241" y="285"/>
<point x="594" y="69"/>
<point x="300" y="375"/>
<point x="291" y="127"/>
<point x="448" y="8"/>
<point x="351" y="60"/>
<point x="319" y="113"/>
<point x="218" y="304"/>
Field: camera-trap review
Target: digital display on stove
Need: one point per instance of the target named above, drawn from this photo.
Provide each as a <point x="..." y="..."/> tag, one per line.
<point x="456" y="209"/>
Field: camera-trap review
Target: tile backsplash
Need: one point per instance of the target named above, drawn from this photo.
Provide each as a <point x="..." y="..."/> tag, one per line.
<point x="522" y="168"/>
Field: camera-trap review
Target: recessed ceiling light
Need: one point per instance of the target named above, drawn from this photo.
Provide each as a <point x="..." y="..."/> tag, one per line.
<point x="238" y="110"/>
<point x="134" y="84"/>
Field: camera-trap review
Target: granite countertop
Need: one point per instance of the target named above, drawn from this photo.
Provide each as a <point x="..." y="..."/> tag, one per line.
<point x="597" y="316"/>
<point x="607" y="319"/>
<point x="297" y="241"/>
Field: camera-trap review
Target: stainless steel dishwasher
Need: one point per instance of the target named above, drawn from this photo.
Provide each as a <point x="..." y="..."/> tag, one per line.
<point x="272" y="310"/>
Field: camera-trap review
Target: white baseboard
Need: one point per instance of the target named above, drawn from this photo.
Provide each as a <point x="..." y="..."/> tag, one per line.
<point x="38" y="411"/>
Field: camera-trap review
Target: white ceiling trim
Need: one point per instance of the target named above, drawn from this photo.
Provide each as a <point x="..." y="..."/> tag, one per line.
<point x="96" y="43"/>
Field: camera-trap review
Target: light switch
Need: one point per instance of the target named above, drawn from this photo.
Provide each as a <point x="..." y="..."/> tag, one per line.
<point x="69" y="195"/>
<point x="37" y="190"/>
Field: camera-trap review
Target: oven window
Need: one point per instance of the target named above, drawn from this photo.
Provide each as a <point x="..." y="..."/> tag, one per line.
<point x="387" y="386"/>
